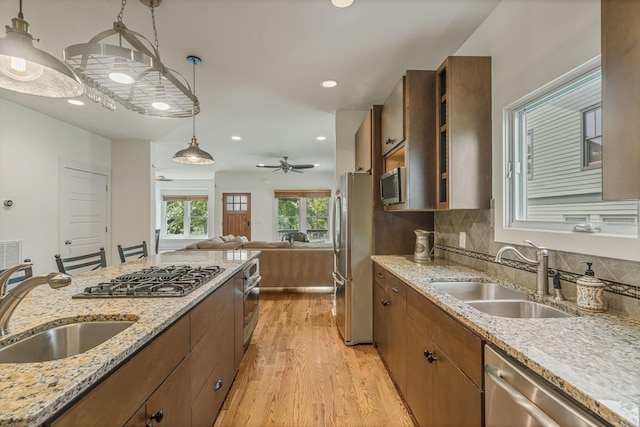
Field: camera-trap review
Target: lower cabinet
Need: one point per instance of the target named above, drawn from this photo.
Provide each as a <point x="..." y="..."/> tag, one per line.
<point x="440" y="375"/>
<point x="180" y="379"/>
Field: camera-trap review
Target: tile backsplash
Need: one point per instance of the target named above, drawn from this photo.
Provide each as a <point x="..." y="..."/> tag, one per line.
<point x="622" y="278"/>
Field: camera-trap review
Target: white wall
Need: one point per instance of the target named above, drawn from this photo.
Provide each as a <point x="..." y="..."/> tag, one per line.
<point x="131" y="195"/>
<point x="31" y="145"/>
<point x="347" y="123"/>
<point x="261" y="186"/>
<point x="182" y="187"/>
<point x="532" y="43"/>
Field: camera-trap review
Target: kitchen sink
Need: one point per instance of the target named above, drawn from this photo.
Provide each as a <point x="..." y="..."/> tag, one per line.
<point x="61" y="341"/>
<point x="466" y="291"/>
<point x="517" y="309"/>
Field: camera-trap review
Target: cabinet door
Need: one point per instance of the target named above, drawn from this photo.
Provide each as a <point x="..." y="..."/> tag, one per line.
<point x="171" y="403"/>
<point x="393" y="118"/>
<point x="620" y="94"/>
<point x="380" y="312"/>
<point x="437" y="392"/>
<point x="363" y="145"/>
<point x="397" y="329"/>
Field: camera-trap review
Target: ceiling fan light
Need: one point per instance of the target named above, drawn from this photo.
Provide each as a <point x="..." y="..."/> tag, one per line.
<point x="26" y="69"/>
<point x="193" y="155"/>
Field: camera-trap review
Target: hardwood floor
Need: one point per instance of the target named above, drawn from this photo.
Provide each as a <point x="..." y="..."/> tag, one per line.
<point x="297" y="372"/>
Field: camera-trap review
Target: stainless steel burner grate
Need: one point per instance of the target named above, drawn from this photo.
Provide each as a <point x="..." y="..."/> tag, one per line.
<point x="171" y="281"/>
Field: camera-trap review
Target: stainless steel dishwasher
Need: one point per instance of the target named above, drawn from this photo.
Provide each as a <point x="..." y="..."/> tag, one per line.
<point x="515" y="396"/>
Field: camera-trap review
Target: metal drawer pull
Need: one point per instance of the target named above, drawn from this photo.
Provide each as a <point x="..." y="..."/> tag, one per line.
<point x="157" y="416"/>
<point x="395" y="289"/>
<point x="218" y="385"/>
<point x="380" y="275"/>
<point x="430" y="357"/>
<point x="494" y="374"/>
<point x="384" y="302"/>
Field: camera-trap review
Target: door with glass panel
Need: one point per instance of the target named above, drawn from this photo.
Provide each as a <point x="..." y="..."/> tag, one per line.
<point x="236" y="214"/>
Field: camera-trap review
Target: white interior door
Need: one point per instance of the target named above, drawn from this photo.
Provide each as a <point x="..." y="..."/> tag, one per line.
<point x="83" y="213"/>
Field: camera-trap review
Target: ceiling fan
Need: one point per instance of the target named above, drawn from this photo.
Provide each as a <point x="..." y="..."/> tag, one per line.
<point x="285" y="166"/>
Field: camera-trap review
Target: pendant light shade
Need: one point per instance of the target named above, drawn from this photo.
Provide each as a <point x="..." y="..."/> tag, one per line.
<point x="26" y="69"/>
<point x="193" y="154"/>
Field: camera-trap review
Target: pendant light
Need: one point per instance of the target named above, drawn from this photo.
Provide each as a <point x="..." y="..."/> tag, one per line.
<point x="26" y="69"/>
<point x="129" y="71"/>
<point x="193" y="154"/>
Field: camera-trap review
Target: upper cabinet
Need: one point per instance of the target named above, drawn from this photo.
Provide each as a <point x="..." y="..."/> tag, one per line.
<point x="364" y="144"/>
<point x="463" y="120"/>
<point x="393" y="118"/>
<point x="408" y="139"/>
<point x="620" y="95"/>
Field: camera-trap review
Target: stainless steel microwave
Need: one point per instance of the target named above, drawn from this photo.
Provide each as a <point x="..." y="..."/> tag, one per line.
<point x="393" y="186"/>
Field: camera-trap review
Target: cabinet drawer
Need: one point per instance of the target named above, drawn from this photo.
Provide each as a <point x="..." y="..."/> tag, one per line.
<point x="205" y="314"/>
<point x="172" y="398"/>
<point x="461" y="345"/>
<point x="206" y="406"/>
<point x="128" y="387"/>
<point x="397" y="292"/>
<point x="380" y="276"/>
<point x="207" y="353"/>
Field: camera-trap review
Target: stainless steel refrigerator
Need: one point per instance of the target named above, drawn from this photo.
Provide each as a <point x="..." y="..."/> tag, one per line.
<point x="353" y="277"/>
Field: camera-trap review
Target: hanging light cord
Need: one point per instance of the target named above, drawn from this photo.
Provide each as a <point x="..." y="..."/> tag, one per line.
<point x="20" y="15"/>
<point x="194" y="94"/>
<point x="121" y="13"/>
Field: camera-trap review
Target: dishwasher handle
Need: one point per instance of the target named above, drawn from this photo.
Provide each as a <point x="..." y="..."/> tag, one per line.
<point x="494" y="374"/>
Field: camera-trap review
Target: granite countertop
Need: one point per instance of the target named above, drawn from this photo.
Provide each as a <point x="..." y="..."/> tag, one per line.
<point x="594" y="358"/>
<point x="33" y="392"/>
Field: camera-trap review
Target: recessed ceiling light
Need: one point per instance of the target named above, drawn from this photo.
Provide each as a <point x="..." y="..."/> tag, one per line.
<point x="236" y="138"/>
<point x="316" y="164"/>
<point x="321" y="138"/>
<point x="75" y="102"/>
<point x="330" y="83"/>
<point x="342" y="3"/>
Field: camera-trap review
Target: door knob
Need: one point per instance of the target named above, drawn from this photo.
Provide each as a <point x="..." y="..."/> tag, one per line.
<point x="68" y="242"/>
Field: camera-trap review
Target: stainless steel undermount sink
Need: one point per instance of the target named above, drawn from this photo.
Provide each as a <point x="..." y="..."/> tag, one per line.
<point x="61" y="341"/>
<point x="466" y="291"/>
<point x="498" y="300"/>
<point x="517" y="309"/>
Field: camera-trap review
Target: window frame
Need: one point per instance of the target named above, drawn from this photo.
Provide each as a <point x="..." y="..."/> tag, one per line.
<point x="585" y="141"/>
<point x="166" y="198"/>
<point x="512" y="200"/>
<point x="302" y="197"/>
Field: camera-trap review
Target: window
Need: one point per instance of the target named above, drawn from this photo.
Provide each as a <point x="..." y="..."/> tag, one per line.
<point x="185" y="216"/>
<point x="303" y="210"/>
<point x="592" y="128"/>
<point x="566" y="119"/>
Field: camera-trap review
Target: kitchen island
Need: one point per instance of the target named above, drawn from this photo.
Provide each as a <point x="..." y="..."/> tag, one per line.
<point x="593" y="358"/>
<point x="33" y="393"/>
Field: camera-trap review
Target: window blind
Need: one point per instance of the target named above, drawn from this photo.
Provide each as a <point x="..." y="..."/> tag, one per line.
<point x="290" y="194"/>
<point x="184" y="198"/>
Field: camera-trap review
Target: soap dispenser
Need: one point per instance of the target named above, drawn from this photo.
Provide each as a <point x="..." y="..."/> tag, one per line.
<point x="590" y="291"/>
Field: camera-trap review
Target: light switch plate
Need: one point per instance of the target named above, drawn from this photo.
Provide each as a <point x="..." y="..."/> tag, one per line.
<point x="463" y="240"/>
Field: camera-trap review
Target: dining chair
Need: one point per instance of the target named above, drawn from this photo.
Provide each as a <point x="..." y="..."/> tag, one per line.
<point x="137" y="251"/>
<point x="96" y="260"/>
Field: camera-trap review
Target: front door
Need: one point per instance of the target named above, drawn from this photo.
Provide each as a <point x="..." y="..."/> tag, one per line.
<point x="83" y="219"/>
<point x="236" y="214"/>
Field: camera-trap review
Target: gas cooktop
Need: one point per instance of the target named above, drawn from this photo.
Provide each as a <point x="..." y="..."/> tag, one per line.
<point x="171" y="281"/>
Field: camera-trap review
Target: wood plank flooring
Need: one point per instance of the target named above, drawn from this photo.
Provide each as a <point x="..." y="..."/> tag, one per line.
<point x="297" y="372"/>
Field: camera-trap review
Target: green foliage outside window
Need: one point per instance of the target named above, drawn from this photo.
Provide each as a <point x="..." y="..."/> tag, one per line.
<point x="199" y="217"/>
<point x="196" y="222"/>
<point x="288" y="214"/>
<point x="175" y="218"/>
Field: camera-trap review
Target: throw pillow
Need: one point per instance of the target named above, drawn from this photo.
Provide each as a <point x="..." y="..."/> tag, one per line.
<point x="227" y="238"/>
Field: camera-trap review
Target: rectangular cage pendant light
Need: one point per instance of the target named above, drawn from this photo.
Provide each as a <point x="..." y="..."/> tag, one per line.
<point x="132" y="76"/>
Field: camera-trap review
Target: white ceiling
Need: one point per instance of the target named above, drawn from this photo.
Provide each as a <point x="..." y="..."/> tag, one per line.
<point x="262" y="65"/>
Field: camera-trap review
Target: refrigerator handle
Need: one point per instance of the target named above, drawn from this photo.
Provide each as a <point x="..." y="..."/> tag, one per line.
<point x="337" y="207"/>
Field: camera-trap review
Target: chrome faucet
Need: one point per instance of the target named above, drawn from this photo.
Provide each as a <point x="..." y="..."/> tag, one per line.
<point x="542" y="261"/>
<point x="9" y="300"/>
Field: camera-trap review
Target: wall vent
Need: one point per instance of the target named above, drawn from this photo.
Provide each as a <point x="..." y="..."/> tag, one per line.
<point x="10" y="253"/>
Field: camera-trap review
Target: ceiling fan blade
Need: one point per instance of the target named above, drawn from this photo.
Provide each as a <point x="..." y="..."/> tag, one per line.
<point x="295" y="170"/>
<point x="303" y="166"/>
<point x="267" y="166"/>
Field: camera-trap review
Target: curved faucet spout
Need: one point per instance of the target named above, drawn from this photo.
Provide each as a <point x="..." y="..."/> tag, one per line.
<point x="6" y="275"/>
<point x="12" y="298"/>
<point x="517" y="252"/>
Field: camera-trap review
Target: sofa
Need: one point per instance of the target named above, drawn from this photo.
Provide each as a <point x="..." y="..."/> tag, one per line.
<point x="282" y="264"/>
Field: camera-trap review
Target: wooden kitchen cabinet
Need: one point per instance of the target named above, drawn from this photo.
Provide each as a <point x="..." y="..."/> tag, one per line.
<point x="463" y="120"/>
<point x="620" y="93"/>
<point x="393" y="118"/>
<point x="390" y="318"/>
<point x="410" y="107"/>
<point x="364" y="144"/>
<point x="185" y="372"/>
